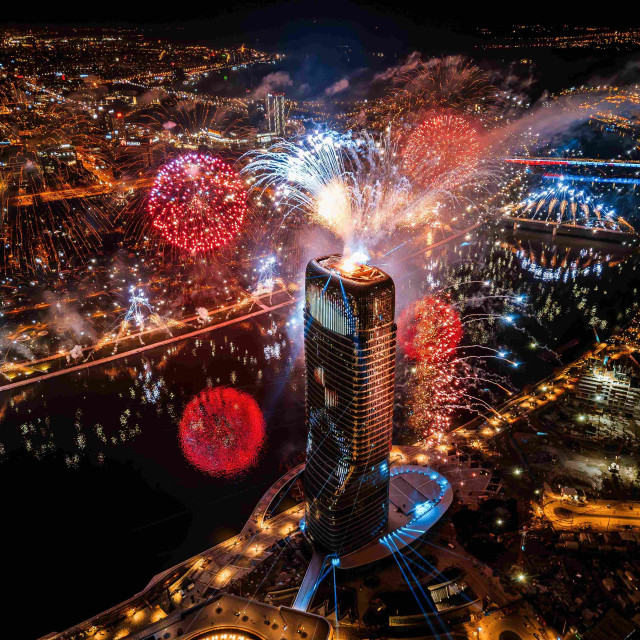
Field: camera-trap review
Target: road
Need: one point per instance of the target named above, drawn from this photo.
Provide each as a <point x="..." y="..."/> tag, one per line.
<point x="80" y="192"/>
<point x="595" y="515"/>
<point x="522" y="623"/>
<point x="543" y="392"/>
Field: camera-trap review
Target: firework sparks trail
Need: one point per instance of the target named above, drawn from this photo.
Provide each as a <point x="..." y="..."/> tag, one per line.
<point x="141" y="317"/>
<point x="445" y="372"/>
<point x="352" y="184"/>
<point x="565" y="204"/>
<point x="453" y="83"/>
<point x="430" y="332"/>
<point x="268" y="277"/>
<point x="197" y="117"/>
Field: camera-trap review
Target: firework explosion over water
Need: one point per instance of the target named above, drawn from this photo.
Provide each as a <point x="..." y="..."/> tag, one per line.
<point x="222" y="432"/>
<point x="563" y="203"/>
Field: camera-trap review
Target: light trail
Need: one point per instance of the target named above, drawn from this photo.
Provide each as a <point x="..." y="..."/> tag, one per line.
<point x="595" y="515"/>
<point x="578" y="178"/>
<point x="79" y="192"/>
<point x="574" y="162"/>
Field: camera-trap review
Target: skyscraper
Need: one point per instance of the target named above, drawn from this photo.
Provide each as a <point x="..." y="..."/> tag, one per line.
<point x="350" y="349"/>
<point x="275" y="113"/>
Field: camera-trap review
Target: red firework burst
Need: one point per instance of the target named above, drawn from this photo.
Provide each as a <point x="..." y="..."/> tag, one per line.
<point x="444" y="148"/>
<point x="430" y="331"/>
<point x="197" y="203"/>
<point x="222" y="431"/>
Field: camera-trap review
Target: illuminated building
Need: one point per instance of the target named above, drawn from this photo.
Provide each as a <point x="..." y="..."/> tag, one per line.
<point x="350" y="349"/>
<point x="612" y="385"/>
<point x="218" y="617"/>
<point x="275" y="113"/>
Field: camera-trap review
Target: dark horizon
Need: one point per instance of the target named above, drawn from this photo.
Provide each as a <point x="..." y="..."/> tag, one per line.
<point x="400" y="24"/>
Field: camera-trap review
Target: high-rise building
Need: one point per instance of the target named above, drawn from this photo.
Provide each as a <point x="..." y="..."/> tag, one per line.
<point x="275" y="113"/>
<point x="611" y="385"/>
<point x="350" y="350"/>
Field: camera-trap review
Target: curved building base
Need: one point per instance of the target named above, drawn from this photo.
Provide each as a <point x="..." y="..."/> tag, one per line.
<point x="418" y="498"/>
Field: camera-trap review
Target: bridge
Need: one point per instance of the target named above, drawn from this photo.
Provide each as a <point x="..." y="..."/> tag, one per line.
<point x="574" y="162"/>
<point x="79" y="192"/>
<point x="21" y="373"/>
<point x="559" y="169"/>
<point x="31" y="371"/>
<point x="563" y="209"/>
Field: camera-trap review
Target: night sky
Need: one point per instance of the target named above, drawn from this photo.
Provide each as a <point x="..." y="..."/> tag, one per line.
<point x="390" y="26"/>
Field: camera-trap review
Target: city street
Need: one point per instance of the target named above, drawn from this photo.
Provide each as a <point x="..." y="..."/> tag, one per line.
<point x="518" y="625"/>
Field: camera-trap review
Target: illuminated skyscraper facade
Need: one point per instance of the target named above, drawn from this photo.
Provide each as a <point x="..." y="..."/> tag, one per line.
<point x="350" y="350"/>
<point x="275" y="113"/>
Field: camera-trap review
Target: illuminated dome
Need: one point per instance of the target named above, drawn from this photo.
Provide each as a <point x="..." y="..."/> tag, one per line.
<point x="567" y="205"/>
<point x="226" y="634"/>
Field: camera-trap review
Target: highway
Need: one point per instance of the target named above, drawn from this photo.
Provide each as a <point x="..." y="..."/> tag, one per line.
<point x="521" y="623"/>
<point x="80" y="192"/>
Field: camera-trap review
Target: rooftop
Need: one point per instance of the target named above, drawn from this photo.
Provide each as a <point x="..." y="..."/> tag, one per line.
<point x="346" y="267"/>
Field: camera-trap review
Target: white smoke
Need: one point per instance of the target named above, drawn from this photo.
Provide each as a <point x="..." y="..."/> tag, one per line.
<point x="337" y="87"/>
<point x="275" y="81"/>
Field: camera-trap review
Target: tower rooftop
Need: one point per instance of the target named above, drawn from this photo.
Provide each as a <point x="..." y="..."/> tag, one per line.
<point x="349" y="269"/>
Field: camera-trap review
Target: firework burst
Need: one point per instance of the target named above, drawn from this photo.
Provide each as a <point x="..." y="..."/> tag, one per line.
<point x="222" y="432"/>
<point x="452" y="83"/>
<point x="197" y="203"/>
<point x="443" y="148"/>
<point x="430" y="333"/>
<point x="188" y="118"/>
<point x="352" y="184"/>
<point x="448" y="378"/>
